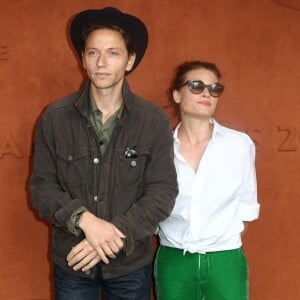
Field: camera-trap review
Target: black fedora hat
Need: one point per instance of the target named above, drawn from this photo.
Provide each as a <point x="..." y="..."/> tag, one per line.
<point x="110" y="16"/>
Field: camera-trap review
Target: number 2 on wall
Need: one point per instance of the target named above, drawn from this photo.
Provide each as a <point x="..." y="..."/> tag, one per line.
<point x="289" y="143"/>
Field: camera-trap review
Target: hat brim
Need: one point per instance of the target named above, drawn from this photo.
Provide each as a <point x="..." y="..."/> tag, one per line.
<point x="110" y="16"/>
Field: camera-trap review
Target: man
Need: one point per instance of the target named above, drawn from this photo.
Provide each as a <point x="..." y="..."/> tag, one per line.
<point x="103" y="167"/>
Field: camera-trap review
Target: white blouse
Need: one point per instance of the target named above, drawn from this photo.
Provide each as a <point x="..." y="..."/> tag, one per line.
<point x="214" y="201"/>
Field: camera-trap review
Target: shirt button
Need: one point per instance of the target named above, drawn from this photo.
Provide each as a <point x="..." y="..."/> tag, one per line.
<point x="95" y="198"/>
<point x="96" y="161"/>
<point x="70" y="157"/>
<point x="133" y="163"/>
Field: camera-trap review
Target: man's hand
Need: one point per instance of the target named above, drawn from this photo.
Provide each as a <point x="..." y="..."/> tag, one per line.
<point x="104" y="237"/>
<point x="83" y="256"/>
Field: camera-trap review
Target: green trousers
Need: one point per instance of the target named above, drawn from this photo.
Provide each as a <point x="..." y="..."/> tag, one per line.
<point x="221" y="275"/>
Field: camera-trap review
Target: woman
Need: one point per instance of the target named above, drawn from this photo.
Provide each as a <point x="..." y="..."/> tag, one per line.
<point x="200" y="254"/>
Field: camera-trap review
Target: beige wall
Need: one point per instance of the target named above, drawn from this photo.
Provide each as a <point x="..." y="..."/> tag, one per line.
<point x="256" y="45"/>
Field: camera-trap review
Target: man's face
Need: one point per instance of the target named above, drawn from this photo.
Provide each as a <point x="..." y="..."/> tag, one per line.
<point x="106" y="59"/>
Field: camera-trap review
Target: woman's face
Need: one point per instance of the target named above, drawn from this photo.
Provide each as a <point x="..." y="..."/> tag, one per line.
<point x="200" y="105"/>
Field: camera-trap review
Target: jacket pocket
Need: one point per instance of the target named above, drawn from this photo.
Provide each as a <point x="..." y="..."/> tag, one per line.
<point x="130" y="171"/>
<point x="72" y="165"/>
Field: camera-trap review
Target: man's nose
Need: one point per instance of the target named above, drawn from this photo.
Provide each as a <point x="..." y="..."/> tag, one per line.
<point x="101" y="61"/>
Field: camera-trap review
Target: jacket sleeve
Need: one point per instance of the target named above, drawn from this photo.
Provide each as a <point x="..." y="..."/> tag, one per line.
<point x="160" y="189"/>
<point x="52" y="201"/>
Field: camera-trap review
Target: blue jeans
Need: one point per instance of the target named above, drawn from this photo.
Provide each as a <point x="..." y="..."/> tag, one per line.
<point x="132" y="286"/>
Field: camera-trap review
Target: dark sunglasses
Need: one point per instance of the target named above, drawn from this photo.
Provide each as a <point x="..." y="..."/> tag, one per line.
<point x="198" y="86"/>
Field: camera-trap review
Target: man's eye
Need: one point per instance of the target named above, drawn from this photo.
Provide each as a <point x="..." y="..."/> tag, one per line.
<point x="114" y="52"/>
<point x="91" y="53"/>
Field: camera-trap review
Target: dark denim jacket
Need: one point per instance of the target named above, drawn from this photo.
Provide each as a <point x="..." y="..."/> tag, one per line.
<point x="135" y="194"/>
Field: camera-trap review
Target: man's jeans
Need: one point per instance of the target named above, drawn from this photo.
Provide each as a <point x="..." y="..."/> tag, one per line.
<point x="132" y="286"/>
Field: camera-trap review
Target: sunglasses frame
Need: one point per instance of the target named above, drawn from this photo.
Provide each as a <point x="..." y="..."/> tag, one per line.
<point x="210" y="87"/>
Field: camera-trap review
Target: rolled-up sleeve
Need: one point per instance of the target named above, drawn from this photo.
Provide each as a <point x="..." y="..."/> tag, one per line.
<point x="248" y="204"/>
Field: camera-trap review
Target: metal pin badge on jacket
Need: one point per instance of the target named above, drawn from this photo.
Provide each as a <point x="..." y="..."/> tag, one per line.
<point x="130" y="153"/>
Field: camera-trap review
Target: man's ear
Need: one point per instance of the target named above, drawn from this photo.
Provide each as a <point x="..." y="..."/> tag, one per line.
<point x="82" y="58"/>
<point x="130" y="62"/>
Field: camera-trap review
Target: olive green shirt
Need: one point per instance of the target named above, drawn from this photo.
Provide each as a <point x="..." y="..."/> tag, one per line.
<point x="104" y="131"/>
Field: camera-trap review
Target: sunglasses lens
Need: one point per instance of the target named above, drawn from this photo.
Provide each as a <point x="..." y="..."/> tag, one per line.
<point x="216" y="90"/>
<point x="196" y="87"/>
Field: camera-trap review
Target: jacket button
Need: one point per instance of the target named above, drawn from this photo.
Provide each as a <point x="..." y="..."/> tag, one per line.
<point x="70" y="157"/>
<point x="95" y="198"/>
<point x="133" y="163"/>
<point x="96" y="161"/>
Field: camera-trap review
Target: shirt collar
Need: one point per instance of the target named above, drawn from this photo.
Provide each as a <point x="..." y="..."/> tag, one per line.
<point x="93" y="107"/>
<point x="218" y="129"/>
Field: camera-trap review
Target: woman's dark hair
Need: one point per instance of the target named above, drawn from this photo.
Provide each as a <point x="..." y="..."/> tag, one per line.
<point x="181" y="70"/>
<point x="129" y="43"/>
